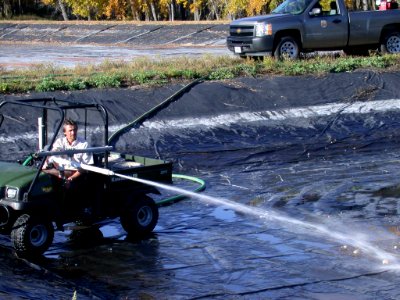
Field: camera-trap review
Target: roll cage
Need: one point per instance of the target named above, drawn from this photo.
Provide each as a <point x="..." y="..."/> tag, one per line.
<point x="62" y="107"/>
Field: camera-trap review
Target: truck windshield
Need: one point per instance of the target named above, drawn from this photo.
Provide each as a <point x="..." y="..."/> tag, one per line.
<point x="293" y="7"/>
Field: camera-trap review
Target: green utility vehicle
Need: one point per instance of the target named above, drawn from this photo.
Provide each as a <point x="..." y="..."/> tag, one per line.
<point x="34" y="200"/>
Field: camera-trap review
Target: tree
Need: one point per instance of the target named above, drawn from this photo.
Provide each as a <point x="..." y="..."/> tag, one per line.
<point x="88" y="8"/>
<point x="63" y="10"/>
<point x="216" y="9"/>
<point x="7" y="9"/>
<point x="236" y="8"/>
<point x="61" y="7"/>
<point x="116" y="10"/>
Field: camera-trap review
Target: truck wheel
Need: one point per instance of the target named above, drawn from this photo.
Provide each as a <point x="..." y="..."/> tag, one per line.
<point x="288" y="48"/>
<point x="140" y="217"/>
<point x="31" y="236"/>
<point x="391" y="43"/>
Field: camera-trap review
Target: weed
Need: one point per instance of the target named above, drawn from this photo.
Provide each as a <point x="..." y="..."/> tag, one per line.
<point x="4" y="87"/>
<point x="223" y="73"/>
<point x="147" y="71"/>
<point x="50" y="84"/>
<point x="106" y="81"/>
<point x="77" y="84"/>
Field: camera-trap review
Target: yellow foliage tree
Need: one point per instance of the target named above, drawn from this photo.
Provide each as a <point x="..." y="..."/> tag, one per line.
<point x="256" y="7"/>
<point x="116" y="10"/>
<point x="88" y="8"/>
<point x="236" y="8"/>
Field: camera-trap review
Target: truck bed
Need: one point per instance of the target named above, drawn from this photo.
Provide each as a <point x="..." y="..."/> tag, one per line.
<point x="141" y="167"/>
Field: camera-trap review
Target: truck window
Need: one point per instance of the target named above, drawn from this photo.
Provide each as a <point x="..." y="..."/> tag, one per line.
<point x="293" y="7"/>
<point x="362" y="5"/>
<point x="327" y="7"/>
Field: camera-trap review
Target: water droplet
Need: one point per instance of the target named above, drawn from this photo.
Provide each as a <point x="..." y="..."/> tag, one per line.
<point x="356" y="251"/>
<point x="385" y="262"/>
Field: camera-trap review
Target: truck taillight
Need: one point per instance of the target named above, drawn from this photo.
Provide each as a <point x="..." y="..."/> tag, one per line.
<point x="262" y="29"/>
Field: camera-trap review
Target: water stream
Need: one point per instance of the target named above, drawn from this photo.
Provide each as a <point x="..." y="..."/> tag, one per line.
<point x="358" y="240"/>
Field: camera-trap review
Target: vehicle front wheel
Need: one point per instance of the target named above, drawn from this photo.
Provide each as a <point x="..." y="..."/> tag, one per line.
<point x="31" y="236"/>
<point x="140" y="217"/>
<point x="287" y="48"/>
<point x="391" y="43"/>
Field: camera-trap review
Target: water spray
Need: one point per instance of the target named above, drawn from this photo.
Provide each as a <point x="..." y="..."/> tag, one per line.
<point x="357" y="241"/>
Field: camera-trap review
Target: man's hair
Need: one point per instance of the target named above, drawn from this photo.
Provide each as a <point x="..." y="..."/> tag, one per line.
<point x="69" y="122"/>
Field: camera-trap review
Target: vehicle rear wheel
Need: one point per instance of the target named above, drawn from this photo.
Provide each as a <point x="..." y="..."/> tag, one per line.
<point x="140" y="217"/>
<point x="287" y="48"/>
<point x="390" y="43"/>
<point x="31" y="236"/>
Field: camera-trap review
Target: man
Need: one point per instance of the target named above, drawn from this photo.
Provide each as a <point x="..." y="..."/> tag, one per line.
<point x="70" y="141"/>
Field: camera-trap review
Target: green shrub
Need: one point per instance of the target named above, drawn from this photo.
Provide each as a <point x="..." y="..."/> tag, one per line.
<point x="78" y="84"/>
<point x="105" y="80"/>
<point x="50" y="84"/>
<point x="4" y="87"/>
<point x="221" y="74"/>
<point x="346" y="65"/>
<point x="152" y="76"/>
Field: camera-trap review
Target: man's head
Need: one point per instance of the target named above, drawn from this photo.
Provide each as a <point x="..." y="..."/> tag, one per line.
<point x="70" y="129"/>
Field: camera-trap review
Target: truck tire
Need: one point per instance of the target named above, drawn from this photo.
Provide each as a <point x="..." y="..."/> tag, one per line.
<point x="287" y="48"/>
<point x="140" y="217"/>
<point x="31" y="236"/>
<point x="390" y="43"/>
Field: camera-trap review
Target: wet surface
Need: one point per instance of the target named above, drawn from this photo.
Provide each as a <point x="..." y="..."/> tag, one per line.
<point x="318" y="169"/>
<point x="21" y="56"/>
<point x="68" y="45"/>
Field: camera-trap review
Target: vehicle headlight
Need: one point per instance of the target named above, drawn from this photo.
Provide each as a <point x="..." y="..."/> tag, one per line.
<point x="263" y="29"/>
<point x="11" y="193"/>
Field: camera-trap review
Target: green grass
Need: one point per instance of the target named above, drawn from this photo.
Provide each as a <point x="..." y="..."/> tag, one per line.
<point x="155" y="72"/>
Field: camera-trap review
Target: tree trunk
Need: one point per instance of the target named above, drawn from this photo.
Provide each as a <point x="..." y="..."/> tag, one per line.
<point x="153" y="11"/>
<point x="135" y="10"/>
<point x="63" y="10"/>
<point x="7" y="9"/>
<point x="172" y="11"/>
<point x="215" y="10"/>
<point x="364" y="5"/>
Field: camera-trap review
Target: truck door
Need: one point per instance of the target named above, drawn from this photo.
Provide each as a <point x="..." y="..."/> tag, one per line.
<point x="325" y="26"/>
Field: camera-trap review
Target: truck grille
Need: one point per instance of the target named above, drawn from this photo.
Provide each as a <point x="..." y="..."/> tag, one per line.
<point x="241" y="30"/>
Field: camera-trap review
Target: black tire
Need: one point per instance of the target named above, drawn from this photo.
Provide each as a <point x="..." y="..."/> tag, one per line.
<point x="31" y="236"/>
<point x="140" y="217"/>
<point x="390" y="43"/>
<point x="287" y="48"/>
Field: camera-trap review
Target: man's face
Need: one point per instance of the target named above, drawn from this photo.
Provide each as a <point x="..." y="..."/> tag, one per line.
<point x="70" y="132"/>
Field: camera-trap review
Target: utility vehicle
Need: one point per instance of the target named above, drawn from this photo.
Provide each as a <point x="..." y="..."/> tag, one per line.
<point x="33" y="200"/>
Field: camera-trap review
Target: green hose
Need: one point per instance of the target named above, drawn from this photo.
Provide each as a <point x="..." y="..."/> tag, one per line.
<point x="202" y="187"/>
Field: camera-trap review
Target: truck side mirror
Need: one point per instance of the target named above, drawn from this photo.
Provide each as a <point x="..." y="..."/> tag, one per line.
<point x="315" y="11"/>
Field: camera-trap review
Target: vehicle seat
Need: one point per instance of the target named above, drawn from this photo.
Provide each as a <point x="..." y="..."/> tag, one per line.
<point x="98" y="159"/>
<point x="333" y="10"/>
